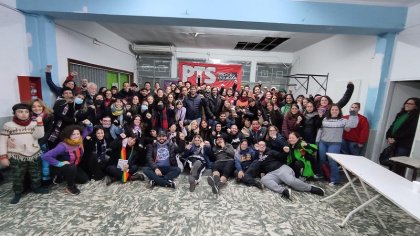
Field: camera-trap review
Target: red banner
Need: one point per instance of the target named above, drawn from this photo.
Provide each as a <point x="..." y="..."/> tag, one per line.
<point x="212" y="74"/>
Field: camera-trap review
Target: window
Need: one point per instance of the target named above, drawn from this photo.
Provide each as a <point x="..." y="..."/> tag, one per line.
<point x="154" y="68"/>
<point x="100" y="75"/>
<point x="273" y="74"/>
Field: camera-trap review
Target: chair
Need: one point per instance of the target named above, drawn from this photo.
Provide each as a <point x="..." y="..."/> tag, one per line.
<point x="402" y="162"/>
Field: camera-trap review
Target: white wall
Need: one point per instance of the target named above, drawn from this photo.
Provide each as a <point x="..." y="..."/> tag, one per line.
<point x="76" y="46"/>
<point x="346" y="58"/>
<point x="407" y="50"/>
<point x="13" y="56"/>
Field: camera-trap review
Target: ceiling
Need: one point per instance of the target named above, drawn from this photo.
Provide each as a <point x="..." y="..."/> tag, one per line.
<point x="213" y="38"/>
<point x="225" y="38"/>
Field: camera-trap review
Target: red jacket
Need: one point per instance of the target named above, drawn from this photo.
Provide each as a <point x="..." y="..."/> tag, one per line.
<point x="360" y="134"/>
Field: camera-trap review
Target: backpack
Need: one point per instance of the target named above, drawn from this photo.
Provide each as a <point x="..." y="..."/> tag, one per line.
<point x="387" y="153"/>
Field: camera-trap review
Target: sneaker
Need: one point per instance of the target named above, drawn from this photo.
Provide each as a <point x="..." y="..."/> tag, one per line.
<point x="171" y="184"/>
<point x="259" y="185"/>
<point x="73" y="190"/>
<point x="317" y="190"/>
<point x="332" y="184"/>
<point x="317" y="176"/>
<point x="137" y="176"/>
<point x="287" y="192"/>
<point x="211" y="180"/>
<point x="16" y="198"/>
<point x="152" y="184"/>
<point x="108" y="180"/>
<point x="192" y="182"/>
<point x="41" y="190"/>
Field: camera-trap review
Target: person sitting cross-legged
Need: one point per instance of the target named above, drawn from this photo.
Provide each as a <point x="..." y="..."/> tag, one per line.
<point x="162" y="166"/>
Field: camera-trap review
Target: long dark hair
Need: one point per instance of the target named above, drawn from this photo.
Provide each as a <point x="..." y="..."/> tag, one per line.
<point x="416" y="101"/>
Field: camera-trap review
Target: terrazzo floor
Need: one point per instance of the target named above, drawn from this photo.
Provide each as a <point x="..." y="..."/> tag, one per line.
<point x="134" y="209"/>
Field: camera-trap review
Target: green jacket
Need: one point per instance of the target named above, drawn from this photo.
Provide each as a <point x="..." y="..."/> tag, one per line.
<point x="303" y="154"/>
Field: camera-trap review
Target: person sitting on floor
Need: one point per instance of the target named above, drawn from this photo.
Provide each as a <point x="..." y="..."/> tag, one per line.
<point x="247" y="166"/>
<point x="162" y="166"/>
<point x="20" y="149"/>
<point x="197" y="159"/>
<point x="64" y="159"/>
<point x="277" y="173"/>
<point x="224" y="164"/>
<point x="302" y="156"/>
<point x="115" y="170"/>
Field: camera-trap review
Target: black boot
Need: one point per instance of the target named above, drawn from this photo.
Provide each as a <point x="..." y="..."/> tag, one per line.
<point x="16" y="198"/>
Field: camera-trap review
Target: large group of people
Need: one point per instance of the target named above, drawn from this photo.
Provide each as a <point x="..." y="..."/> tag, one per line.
<point x="259" y="136"/>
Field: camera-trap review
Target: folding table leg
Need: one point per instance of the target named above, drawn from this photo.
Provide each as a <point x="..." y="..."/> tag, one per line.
<point x="339" y="190"/>
<point x="358" y="209"/>
<point x="373" y="206"/>
<point x="352" y="185"/>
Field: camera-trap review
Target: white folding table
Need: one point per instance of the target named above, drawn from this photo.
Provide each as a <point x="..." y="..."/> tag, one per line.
<point x="385" y="182"/>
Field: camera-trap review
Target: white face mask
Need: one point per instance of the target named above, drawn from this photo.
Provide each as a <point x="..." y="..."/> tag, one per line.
<point x="78" y="100"/>
<point x="106" y="126"/>
<point x="144" y="108"/>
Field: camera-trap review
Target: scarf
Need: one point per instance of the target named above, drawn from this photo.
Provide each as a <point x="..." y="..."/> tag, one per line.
<point x="72" y="142"/>
<point x="116" y="111"/>
<point x="42" y="114"/>
<point x="309" y="116"/>
<point x="399" y="122"/>
<point x="21" y="122"/>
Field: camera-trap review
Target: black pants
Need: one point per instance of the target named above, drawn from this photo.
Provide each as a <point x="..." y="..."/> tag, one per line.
<point x="250" y="174"/>
<point x="297" y="167"/>
<point x="71" y="173"/>
<point x="116" y="173"/>
<point x="225" y="168"/>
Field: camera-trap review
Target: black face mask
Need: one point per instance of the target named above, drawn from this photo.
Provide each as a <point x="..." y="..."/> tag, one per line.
<point x="98" y="102"/>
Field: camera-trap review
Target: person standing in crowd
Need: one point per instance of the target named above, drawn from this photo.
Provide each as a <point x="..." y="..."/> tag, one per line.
<point x="194" y="105"/>
<point x="64" y="159"/>
<point x="40" y="109"/>
<point x="331" y="137"/>
<point x="215" y="104"/>
<point x="311" y="122"/>
<point x="125" y="93"/>
<point x="355" y="139"/>
<point x="293" y="121"/>
<point x="403" y="129"/>
<point x="162" y="166"/>
<point x="64" y="115"/>
<point x="69" y="82"/>
<point x="19" y="148"/>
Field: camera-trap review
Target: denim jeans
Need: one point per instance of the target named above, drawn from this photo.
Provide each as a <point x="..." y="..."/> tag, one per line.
<point x="350" y="148"/>
<point x="168" y="173"/>
<point x="325" y="147"/>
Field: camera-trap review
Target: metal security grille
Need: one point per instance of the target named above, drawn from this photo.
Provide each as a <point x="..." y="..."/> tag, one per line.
<point x="92" y="74"/>
<point x="100" y="75"/>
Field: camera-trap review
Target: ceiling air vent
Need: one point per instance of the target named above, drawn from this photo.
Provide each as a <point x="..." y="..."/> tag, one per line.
<point x="267" y="44"/>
